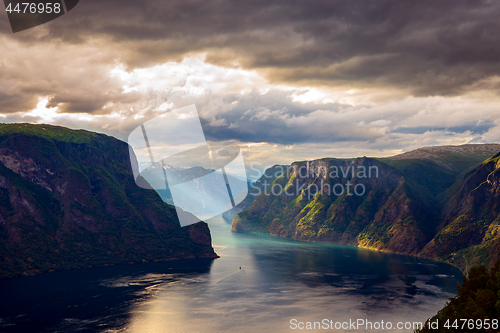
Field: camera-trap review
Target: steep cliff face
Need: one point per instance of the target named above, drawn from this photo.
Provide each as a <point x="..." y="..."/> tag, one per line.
<point x="68" y="199"/>
<point x="413" y="205"/>
<point x="361" y="202"/>
<point x="469" y="229"/>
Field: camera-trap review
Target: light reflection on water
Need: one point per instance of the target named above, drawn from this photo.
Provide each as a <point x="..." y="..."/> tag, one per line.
<point x="279" y="279"/>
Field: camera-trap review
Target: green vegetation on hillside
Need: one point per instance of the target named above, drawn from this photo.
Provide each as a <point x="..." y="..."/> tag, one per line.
<point x="475" y="308"/>
<point x="437" y="202"/>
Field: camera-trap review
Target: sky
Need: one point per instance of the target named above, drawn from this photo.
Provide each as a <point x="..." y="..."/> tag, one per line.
<point x="285" y="80"/>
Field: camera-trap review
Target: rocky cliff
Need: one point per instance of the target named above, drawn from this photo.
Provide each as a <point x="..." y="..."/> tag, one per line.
<point x="411" y="204"/>
<point x="68" y="199"/>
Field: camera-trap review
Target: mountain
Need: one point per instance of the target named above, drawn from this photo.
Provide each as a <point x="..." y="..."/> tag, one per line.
<point x="454" y="158"/>
<point x="211" y="194"/>
<point x="438" y="168"/>
<point x="68" y="199"/>
<point x="409" y="204"/>
<point x="469" y="226"/>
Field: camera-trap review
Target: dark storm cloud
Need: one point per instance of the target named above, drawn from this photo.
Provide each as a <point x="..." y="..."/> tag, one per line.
<point x="426" y="47"/>
<point x="12" y="103"/>
<point x="372" y="55"/>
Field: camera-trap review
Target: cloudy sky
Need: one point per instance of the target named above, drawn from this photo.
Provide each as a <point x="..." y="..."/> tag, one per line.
<point x="286" y="80"/>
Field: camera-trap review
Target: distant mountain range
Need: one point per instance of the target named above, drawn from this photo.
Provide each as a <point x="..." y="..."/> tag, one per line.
<point x="68" y="199"/>
<point x="434" y="202"/>
<point x="210" y="195"/>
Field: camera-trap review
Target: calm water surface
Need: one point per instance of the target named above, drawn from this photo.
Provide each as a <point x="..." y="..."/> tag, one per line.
<point x="279" y="280"/>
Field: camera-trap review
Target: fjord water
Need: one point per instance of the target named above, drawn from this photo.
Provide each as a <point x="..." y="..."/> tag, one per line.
<point x="279" y="279"/>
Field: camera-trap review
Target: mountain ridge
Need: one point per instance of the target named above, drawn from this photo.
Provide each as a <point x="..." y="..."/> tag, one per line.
<point x="402" y="212"/>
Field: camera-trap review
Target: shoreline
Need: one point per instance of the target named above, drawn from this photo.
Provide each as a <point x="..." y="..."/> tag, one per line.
<point x="108" y="265"/>
<point x="356" y="246"/>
